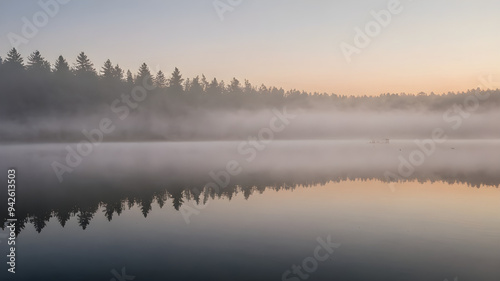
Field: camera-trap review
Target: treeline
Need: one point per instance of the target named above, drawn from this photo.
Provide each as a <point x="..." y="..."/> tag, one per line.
<point x="38" y="88"/>
<point x="83" y="199"/>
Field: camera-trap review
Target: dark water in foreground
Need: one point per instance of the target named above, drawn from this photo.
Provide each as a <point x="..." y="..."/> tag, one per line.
<point x="140" y="209"/>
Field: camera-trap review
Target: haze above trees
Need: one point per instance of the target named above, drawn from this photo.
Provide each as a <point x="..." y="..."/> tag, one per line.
<point x="35" y="89"/>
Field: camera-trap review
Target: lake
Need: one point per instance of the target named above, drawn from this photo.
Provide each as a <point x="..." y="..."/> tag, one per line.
<point x="286" y="210"/>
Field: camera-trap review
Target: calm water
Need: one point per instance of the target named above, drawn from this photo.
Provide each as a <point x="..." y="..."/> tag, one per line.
<point x="143" y="208"/>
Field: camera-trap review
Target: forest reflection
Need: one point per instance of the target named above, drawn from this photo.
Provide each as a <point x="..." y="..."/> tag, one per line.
<point x="84" y="197"/>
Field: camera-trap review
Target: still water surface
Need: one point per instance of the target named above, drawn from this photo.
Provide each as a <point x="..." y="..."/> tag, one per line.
<point x="137" y="207"/>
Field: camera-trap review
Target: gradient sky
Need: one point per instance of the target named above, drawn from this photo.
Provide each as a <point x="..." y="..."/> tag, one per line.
<point x="432" y="45"/>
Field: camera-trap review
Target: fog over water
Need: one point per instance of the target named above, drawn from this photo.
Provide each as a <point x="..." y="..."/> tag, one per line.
<point x="241" y="124"/>
<point x="470" y="161"/>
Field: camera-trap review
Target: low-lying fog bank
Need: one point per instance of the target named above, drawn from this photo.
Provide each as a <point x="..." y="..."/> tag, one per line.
<point x="276" y="123"/>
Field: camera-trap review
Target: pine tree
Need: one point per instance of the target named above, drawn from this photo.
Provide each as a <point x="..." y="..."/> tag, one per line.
<point x="61" y="66"/>
<point x="248" y="87"/>
<point x="175" y="82"/>
<point x="107" y="71"/>
<point x="118" y="73"/>
<point x="213" y="88"/>
<point x="204" y="82"/>
<point x="130" y="78"/>
<point x="222" y="87"/>
<point x="196" y="88"/>
<point x="144" y="76"/>
<point x="83" y="65"/>
<point x="187" y="85"/>
<point x="36" y="63"/>
<point x="14" y="61"/>
<point x="234" y="87"/>
<point x="160" y="80"/>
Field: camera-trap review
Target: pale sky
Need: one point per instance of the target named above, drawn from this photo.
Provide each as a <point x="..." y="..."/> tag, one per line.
<point x="431" y="45"/>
